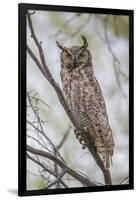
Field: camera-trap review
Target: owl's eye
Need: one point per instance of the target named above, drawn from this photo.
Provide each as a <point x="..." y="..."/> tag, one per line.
<point x="81" y="55"/>
<point x="68" y="55"/>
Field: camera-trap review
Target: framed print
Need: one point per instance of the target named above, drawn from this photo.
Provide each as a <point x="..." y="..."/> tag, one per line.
<point x="75" y="99"/>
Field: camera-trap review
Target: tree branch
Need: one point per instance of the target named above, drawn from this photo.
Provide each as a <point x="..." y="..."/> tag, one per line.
<point x="63" y="138"/>
<point x="79" y="28"/>
<point x="116" y="62"/>
<point x="45" y="169"/>
<point x="66" y="24"/>
<point x="57" y="179"/>
<point x="84" y="181"/>
<point x="42" y="130"/>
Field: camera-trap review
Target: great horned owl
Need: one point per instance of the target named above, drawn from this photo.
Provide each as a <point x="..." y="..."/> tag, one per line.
<point x="84" y="97"/>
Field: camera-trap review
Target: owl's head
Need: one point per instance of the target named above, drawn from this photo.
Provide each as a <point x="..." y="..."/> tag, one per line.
<point x="75" y="56"/>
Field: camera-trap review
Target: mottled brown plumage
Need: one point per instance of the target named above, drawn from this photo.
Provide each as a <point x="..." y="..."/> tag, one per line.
<point x="84" y="97"/>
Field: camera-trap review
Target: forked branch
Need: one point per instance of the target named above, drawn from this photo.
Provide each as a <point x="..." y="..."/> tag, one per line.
<point x="84" y="181"/>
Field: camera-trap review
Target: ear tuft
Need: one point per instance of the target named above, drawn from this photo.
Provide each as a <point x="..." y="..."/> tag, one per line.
<point x="85" y="45"/>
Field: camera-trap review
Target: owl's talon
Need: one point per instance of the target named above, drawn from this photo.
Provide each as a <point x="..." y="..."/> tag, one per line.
<point x="77" y="136"/>
<point x="81" y="141"/>
<point x="83" y="147"/>
<point x="76" y="131"/>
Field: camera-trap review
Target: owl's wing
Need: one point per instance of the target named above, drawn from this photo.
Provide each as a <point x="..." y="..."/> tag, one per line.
<point x="96" y="111"/>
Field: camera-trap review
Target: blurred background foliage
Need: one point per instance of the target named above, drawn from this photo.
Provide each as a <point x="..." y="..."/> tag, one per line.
<point x="108" y="39"/>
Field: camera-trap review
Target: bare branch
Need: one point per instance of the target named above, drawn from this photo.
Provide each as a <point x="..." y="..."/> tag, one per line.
<point x="45" y="168"/>
<point x="35" y="59"/>
<point x="42" y="130"/>
<point x="81" y="26"/>
<point x="115" y="25"/>
<point x="36" y="140"/>
<point x="124" y="180"/>
<point x="37" y="99"/>
<point x="64" y="138"/>
<point x="54" y="148"/>
<point x="84" y="181"/>
<point x="67" y="23"/>
<point x="116" y="62"/>
<point x="57" y="179"/>
<point x="78" y="30"/>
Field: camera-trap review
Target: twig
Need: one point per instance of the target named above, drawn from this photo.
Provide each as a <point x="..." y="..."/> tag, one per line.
<point x="58" y="147"/>
<point x="116" y="62"/>
<point x="45" y="168"/>
<point x="79" y="28"/>
<point x="63" y="139"/>
<point x="35" y="60"/>
<point x="105" y="39"/>
<point x="57" y="173"/>
<point x="37" y="99"/>
<point x="66" y="24"/>
<point x="57" y="179"/>
<point x="84" y="181"/>
<point x="42" y="130"/>
<point x="125" y="180"/>
<point x="36" y="140"/>
<point x="115" y="25"/>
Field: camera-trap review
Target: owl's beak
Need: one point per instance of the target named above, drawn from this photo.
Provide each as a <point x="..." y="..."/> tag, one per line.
<point x="75" y="62"/>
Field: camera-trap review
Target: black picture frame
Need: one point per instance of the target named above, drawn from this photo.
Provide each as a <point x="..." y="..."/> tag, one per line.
<point x="22" y="10"/>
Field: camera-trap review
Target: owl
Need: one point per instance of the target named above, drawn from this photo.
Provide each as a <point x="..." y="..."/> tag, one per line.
<point x="84" y="98"/>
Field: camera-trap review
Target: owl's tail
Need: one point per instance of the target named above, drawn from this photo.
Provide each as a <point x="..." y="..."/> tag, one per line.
<point x="105" y="154"/>
<point x="106" y="158"/>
